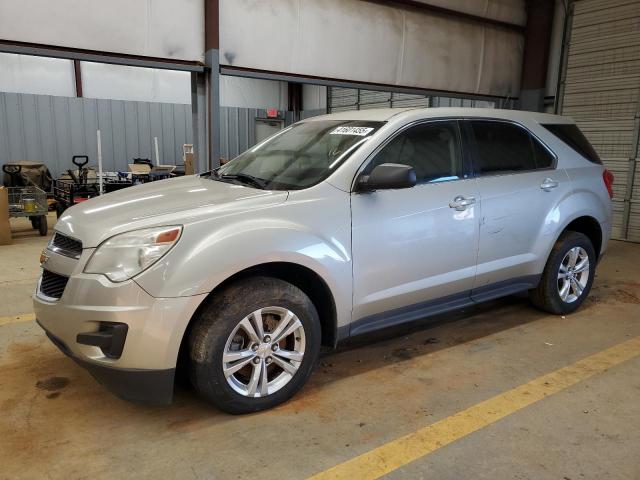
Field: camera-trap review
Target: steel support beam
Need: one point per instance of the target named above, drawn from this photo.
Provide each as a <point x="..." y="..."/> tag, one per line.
<point x="294" y="97"/>
<point x="77" y="75"/>
<point x="98" y="57"/>
<point x="564" y="56"/>
<point x="212" y="62"/>
<point x="328" y="82"/>
<point x="535" y="59"/>
<point x="199" y="121"/>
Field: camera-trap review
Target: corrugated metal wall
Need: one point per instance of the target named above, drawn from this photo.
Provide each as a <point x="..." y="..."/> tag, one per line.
<point x="238" y="129"/>
<point x="600" y="89"/>
<point x="344" y="99"/>
<point x="52" y="129"/>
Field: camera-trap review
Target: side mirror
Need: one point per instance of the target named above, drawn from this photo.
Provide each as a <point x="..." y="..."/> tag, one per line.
<point x="387" y="176"/>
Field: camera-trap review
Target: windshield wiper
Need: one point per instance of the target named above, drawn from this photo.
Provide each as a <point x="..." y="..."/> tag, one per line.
<point x="245" y="178"/>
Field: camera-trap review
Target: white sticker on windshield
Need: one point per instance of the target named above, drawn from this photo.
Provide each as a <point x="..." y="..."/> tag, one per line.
<point x="359" y="131"/>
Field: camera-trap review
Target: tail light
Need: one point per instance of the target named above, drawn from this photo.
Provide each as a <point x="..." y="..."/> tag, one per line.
<point x="607" y="176"/>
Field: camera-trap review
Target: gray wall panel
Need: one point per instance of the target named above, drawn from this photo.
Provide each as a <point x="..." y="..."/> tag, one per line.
<point x="46" y="126"/>
<point x="15" y="135"/>
<point x="119" y="129"/>
<point x="144" y="130"/>
<point x="77" y="127"/>
<point x="32" y="146"/>
<point x="89" y="126"/>
<point x="155" y="122"/>
<point x="178" y="120"/>
<point x="51" y="129"/>
<point x="131" y="129"/>
<point x="166" y="140"/>
<point x="62" y="132"/>
<point x="4" y="134"/>
<point x="106" y="135"/>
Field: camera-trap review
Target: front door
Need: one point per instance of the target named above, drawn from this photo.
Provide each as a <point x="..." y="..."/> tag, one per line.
<point x="414" y="248"/>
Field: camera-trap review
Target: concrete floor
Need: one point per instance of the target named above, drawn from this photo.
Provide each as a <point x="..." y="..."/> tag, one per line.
<point x="57" y="422"/>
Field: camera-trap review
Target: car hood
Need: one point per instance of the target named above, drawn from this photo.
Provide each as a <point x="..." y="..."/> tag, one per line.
<point x="176" y="201"/>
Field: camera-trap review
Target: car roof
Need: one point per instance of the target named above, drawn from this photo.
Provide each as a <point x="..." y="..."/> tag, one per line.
<point x="385" y="114"/>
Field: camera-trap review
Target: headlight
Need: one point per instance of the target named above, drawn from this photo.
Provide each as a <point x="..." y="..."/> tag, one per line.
<point x="124" y="256"/>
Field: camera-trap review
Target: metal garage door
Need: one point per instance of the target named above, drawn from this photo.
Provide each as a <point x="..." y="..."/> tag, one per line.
<point x="343" y="99"/>
<point x="600" y="89"/>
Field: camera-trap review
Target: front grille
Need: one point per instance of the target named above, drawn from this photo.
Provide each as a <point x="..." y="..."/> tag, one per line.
<point x="66" y="245"/>
<point x="52" y="284"/>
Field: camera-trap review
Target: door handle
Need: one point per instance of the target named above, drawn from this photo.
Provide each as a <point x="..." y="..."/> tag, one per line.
<point x="461" y="203"/>
<point x="548" y="184"/>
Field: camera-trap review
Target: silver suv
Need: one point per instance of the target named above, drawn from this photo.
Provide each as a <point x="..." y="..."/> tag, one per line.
<point x="333" y="227"/>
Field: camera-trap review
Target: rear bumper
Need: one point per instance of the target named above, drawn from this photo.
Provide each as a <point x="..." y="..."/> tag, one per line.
<point x="153" y="387"/>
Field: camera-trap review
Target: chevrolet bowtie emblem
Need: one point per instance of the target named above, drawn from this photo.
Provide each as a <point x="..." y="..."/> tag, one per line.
<point x="44" y="258"/>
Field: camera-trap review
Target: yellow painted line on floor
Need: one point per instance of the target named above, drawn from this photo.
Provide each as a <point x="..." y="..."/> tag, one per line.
<point x="25" y="317"/>
<point x="397" y="453"/>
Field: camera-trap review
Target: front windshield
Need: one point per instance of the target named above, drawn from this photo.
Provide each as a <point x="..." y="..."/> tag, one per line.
<point x="299" y="156"/>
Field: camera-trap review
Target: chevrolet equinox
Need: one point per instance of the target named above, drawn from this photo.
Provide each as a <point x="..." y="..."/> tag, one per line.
<point x="335" y="226"/>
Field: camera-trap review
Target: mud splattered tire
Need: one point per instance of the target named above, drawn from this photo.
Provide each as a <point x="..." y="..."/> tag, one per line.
<point x="568" y="275"/>
<point x="254" y="345"/>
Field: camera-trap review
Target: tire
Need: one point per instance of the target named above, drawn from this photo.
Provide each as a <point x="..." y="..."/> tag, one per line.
<point x="42" y="225"/>
<point x="221" y="327"/>
<point x="549" y="293"/>
<point x="35" y="222"/>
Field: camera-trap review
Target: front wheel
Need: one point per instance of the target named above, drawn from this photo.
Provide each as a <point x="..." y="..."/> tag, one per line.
<point x="568" y="275"/>
<point x="254" y="345"/>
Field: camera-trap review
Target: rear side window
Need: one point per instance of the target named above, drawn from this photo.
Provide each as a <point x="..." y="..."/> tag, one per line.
<point x="572" y="136"/>
<point x="503" y="147"/>
<point x="543" y="157"/>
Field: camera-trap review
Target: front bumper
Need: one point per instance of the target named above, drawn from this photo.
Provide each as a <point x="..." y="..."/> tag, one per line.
<point x="153" y="387"/>
<point x="143" y="369"/>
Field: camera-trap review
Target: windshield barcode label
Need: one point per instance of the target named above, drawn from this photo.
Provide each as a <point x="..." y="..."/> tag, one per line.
<point x="359" y="131"/>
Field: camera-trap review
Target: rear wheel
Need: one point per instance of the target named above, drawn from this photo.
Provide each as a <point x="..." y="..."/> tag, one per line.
<point x="568" y="275"/>
<point x="254" y="345"/>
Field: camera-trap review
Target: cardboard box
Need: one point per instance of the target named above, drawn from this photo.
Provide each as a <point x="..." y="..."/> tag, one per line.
<point x="139" y="168"/>
<point x="5" y="226"/>
<point x="188" y="164"/>
<point x="187" y="157"/>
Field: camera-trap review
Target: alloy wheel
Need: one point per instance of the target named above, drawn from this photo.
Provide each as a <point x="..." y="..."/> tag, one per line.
<point x="573" y="274"/>
<point x="264" y="352"/>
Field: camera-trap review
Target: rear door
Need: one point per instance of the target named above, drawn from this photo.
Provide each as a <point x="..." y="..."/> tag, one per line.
<point x="520" y="189"/>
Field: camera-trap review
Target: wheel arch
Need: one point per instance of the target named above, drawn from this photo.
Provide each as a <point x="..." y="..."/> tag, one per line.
<point x="588" y="226"/>
<point x="307" y="280"/>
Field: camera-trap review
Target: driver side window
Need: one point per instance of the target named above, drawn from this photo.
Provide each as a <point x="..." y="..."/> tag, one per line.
<point x="432" y="149"/>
